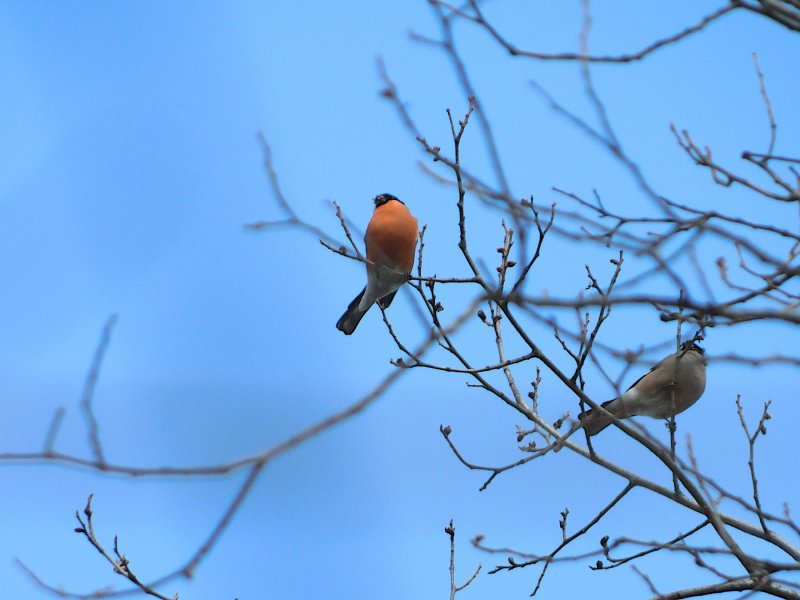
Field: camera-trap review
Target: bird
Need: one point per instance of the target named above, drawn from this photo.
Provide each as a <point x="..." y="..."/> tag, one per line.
<point x="652" y="394"/>
<point x="391" y="241"/>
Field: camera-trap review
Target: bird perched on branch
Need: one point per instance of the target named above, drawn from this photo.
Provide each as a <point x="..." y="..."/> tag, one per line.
<point x="669" y="388"/>
<point x="391" y="241"/>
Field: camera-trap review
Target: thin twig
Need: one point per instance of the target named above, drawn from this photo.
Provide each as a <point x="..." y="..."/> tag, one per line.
<point x="88" y="390"/>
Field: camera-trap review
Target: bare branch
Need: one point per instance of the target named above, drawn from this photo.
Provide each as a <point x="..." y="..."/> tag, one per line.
<point x="477" y="17"/>
<point x="88" y="392"/>
<point x="120" y="564"/>
<point x="450" y="530"/>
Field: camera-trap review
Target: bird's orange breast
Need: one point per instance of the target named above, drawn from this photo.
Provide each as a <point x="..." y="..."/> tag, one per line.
<point x="391" y="236"/>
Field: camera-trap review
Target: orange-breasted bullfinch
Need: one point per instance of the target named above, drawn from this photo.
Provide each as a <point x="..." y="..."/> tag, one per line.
<point x="652" y="395"/>
<point x="391" y="241"/>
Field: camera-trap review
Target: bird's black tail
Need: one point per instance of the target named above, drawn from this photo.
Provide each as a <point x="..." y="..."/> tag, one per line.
<point x="348" y="322"/>
<point x="594" y="421"/>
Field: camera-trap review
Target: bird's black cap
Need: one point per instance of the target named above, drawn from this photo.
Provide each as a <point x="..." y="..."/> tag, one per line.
<point x="691" y="345"/>
<point x="382" y="199"/>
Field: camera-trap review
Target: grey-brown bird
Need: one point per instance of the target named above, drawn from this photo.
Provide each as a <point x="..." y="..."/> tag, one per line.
<point x="391" y="241"/>
<point x="652" y="394"/>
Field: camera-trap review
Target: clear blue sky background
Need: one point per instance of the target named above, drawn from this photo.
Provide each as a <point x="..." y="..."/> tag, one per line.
<point x="128" y="167"/>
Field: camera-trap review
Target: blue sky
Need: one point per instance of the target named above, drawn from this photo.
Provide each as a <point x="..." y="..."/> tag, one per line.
<point x="129" y="165"/>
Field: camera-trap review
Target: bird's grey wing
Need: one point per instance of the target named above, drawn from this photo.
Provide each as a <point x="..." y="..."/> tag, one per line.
<point x="653" y="368"/>
<point x="656" y="366"/>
